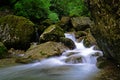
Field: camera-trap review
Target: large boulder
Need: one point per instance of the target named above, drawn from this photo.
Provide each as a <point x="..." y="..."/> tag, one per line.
<point x="41" y="51"/>
<point x="81" y="23"/>
<point x="52" y="33"/>
<point x="3" y="51"/>
<point x="16" y="31"/>
<point x="106" y="15"/>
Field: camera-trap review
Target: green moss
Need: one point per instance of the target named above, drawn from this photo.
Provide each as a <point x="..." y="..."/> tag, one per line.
<point x="52" y="33"/>
<point x="107" y="26"/>
<point x="3" y="50"/>
<point x="54" y="29"/>
<point x="42" y="53"/>
<point x="19" y="29"/>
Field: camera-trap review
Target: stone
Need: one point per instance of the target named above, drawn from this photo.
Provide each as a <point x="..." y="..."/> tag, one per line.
<point x="81" y="23"/>
<point x="42" y="51"/>
<point x="52" y="33"/>
<point x="16" y="32"/>
<point x="80" y="34"/>
<point x="74" y="60"/>
<point x="103" y="62"/>
<point x="7" y="62"/>
<point x="89" y="40"/>
<point x="65" y="20"/>
<point x="65" y="23"/>
<point x="106" y="30"/>
<point x="67" y="42"/>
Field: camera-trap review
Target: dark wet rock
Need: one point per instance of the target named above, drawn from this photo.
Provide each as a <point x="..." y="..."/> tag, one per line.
<point x="109" y="71"/>
<point x="80" y="34"/>
<point x="52" y="33"/>
<point x="81" y="23"/>
<point x="89" y="40"/>
<point x="16" y="32"/>
<point x="97" y="54"/>
<point x="3" y="51"/>
<point x="41" y="51"/>
<point x="65" y="23"/>
<point x="67" y="42"/>
<point x="15" y="53"/>
<point x="102" y="62"/>
<point x="73" y="59"/>
<point x="65" y="20"/>
<point x="106" y="30"/>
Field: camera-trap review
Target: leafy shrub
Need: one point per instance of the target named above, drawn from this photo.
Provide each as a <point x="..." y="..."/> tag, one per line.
<point x="33" y="9"/>
<point x="69" y="7"/>
<point x="52" y="9"/>
<point x="53" y="16"/>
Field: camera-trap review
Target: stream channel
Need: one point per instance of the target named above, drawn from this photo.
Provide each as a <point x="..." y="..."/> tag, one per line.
<point x="76" y="64"/>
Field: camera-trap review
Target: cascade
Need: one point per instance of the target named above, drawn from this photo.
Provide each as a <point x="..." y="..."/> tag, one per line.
<point x="76" y="64"/>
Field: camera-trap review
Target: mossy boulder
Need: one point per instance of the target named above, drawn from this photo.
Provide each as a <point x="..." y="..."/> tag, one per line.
<point x="81" y="23"/>
<point x="43" y="25"/>
<point x="42" y="51"/>
<point x="65" y="23"/>
<point x="89" y="40"/>
<point x="102" y="62"/>
<point x="3" y="51"/>
<point x="16" y="31"/>
<point x="7" y="62"/>
<point x="67" y="42"/>
<point x="80" y="34"/>
<point x="52" y="33"/>
<point x="106" y="29"/>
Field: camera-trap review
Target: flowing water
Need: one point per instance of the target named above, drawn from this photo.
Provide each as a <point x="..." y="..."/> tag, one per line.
<point x="76" y="64"/>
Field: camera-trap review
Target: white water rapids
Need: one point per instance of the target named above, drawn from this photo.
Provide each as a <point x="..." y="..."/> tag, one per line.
<point x="76" y="64"/>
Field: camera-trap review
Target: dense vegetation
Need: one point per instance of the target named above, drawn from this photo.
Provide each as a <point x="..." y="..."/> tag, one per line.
<point x="43" y="9"/>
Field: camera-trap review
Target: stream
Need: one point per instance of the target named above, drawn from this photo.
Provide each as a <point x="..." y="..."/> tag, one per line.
<point x="76" y="64"/>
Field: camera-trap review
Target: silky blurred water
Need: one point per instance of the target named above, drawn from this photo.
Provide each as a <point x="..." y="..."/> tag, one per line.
<point x="56" y="68"/>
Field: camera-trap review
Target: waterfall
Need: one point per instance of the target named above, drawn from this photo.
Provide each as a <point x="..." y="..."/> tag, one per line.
<point x="76" y="64"/>
<point x="79" y="55"/>
<point x="86" y="54"/>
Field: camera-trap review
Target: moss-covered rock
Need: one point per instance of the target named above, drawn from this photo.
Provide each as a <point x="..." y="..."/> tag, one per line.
<point x="3" y="50"/>
<point x="81" y="23"/>
<point x="74" y="60"/>
<point x="106" y="15"/>
<point x="52" y="33"/>
<point x="80" y="34"/>
<point x="42" y="51"/>
<point x="89" y="40"/>
<point x="102" y="62"/>
<point x="6" y="62"/>
<point x="65" y="23"/>
<point x="16" y="31"/>
<point x="67" y="42"/>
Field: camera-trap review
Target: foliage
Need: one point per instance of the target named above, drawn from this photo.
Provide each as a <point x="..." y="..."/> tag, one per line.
<point x="70" y="7"/>
<point x="53" y="16"/>
<point x="33" y="9"/>
<point x="52" y="9"/>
